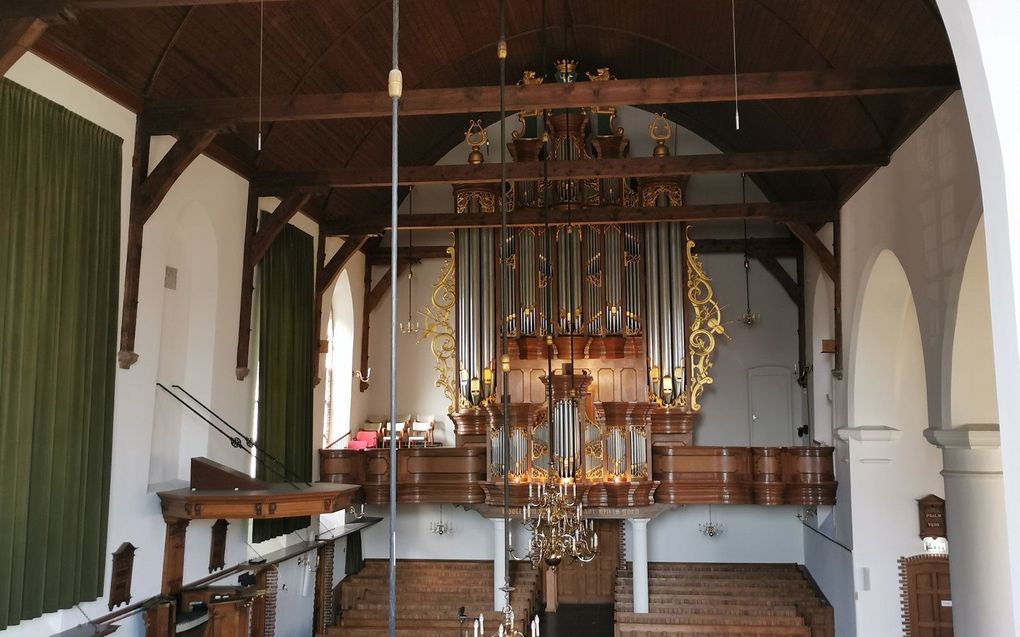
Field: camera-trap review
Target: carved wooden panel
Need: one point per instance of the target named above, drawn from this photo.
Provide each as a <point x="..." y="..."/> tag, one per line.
<point x="926" y="596"/>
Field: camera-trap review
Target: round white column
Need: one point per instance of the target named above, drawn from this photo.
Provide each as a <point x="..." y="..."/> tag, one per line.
<point x="498" y="563"/>
<point x="639" y="543"/>
<point x="976" y="522"/>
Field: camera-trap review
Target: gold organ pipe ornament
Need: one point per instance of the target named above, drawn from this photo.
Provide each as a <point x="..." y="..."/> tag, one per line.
<point x="476" y="137"/>
<point x="439" y="330"/>
<point x="705" y="326"/>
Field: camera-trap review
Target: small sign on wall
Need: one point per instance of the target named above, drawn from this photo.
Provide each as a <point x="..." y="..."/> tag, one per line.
<point x="218" y="545"/>
<point x="120" y="576"/>
<point x="932" y="511"/>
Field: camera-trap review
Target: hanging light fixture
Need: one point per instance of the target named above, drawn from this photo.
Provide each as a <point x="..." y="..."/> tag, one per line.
<point x="555" y="517"/>
<point x="749" y="318"/>
<point x="441" y="527"/>
<point x="710" y="529"/>
<point x="411" y="326"/>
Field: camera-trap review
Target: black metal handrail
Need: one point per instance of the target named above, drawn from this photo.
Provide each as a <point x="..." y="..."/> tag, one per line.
<point x="248" y="440"/>
<point x="235" y="441"/>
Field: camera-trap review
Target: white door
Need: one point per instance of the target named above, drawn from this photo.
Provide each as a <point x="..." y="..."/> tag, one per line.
<point x="770" y="390"/>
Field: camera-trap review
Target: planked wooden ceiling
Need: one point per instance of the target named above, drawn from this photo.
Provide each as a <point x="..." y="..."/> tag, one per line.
<point x="328" y="46"/>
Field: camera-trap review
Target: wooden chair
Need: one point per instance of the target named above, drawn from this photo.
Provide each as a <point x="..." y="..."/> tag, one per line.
<point x="399" y="433"/>
<point x="421" y="432"/>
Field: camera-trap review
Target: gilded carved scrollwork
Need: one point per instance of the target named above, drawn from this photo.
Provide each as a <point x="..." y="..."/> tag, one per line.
<point x="650" y="194"/>
<point x="705" y="325"/>
<point x="439" y="329"/>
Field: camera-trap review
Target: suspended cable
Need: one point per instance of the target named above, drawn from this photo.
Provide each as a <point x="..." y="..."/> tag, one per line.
<point x="394" y="87"/>
<point x="501" y="53"/>
<point x="262" y="36"/>
<point x="736" y="93"/>
<point x="749" y="318"/>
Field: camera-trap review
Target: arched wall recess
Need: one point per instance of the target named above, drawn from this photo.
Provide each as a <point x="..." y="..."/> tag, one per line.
<point x="973" y="398"/>
<point x="891" y="464"/>
<point x="190" y="294"/>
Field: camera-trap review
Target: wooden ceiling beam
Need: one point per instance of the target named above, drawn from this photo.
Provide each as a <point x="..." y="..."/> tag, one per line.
<point x="17" y="35"/>
<point x="333" y="267"/>
<point x="274" y="183"/>
<point x="61" y="8"/>
<point x="801" y="212"/>
<point x="170" y="116"/>
<point x="773" y="267"/>
<point x="778" y="247"/>
<point x="273" y="224"/>
<point x="807" y="236"/>
<point x="381" y="256"/>
<point x="774" y="247"/>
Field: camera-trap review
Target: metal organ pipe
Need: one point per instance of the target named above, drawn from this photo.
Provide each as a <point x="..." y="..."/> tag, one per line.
<point x="476" y="327"/>
<point x="664" y="324"/>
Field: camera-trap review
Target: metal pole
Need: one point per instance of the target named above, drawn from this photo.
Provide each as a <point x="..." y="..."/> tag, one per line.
<point x="395" y="87"/>
<point x="505" y="310"/>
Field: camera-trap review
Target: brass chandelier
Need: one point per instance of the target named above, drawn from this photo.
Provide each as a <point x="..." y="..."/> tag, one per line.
<point x="555" y="517"/>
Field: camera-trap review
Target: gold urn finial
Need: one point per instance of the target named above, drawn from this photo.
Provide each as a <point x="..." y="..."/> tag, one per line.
<point x="661" y="131"/>
<point x="601" y="74"/>
<point x="530" y="77"/>
<point x="476" y="137"/>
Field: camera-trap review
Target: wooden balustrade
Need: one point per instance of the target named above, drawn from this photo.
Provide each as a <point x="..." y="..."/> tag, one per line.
<point x="744" y="475"/>
<point x="680" y="475"/>
<point x="424" y="475"/>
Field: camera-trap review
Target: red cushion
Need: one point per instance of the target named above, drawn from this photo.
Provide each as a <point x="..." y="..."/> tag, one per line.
<point x="357" y="444"/>
<point x="370" y="438"/>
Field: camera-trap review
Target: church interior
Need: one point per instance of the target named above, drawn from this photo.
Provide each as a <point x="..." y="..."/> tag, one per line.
<point x="511" y="318"/>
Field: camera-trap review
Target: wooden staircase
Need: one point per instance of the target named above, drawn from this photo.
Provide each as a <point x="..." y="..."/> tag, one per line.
<point x="429" y="594"/>
<point x="723" y="600"/>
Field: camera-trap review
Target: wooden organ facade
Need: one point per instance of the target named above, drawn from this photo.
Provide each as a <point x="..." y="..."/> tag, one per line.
<point x="608" y="331"/>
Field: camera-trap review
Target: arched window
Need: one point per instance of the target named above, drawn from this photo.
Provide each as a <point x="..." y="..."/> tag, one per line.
<point x="339" y="363"/>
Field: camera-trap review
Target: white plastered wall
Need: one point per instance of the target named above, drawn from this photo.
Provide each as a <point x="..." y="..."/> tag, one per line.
<point x="923" y="208"/>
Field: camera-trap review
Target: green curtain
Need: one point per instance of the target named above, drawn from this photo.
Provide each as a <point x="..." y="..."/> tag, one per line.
<point x="355" y="560"/>
<point x="286" y="296"/>
<point x="59" y="256"/>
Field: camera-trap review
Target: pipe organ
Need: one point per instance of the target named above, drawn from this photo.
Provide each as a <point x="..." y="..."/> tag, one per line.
<point x="612" y="308"/>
